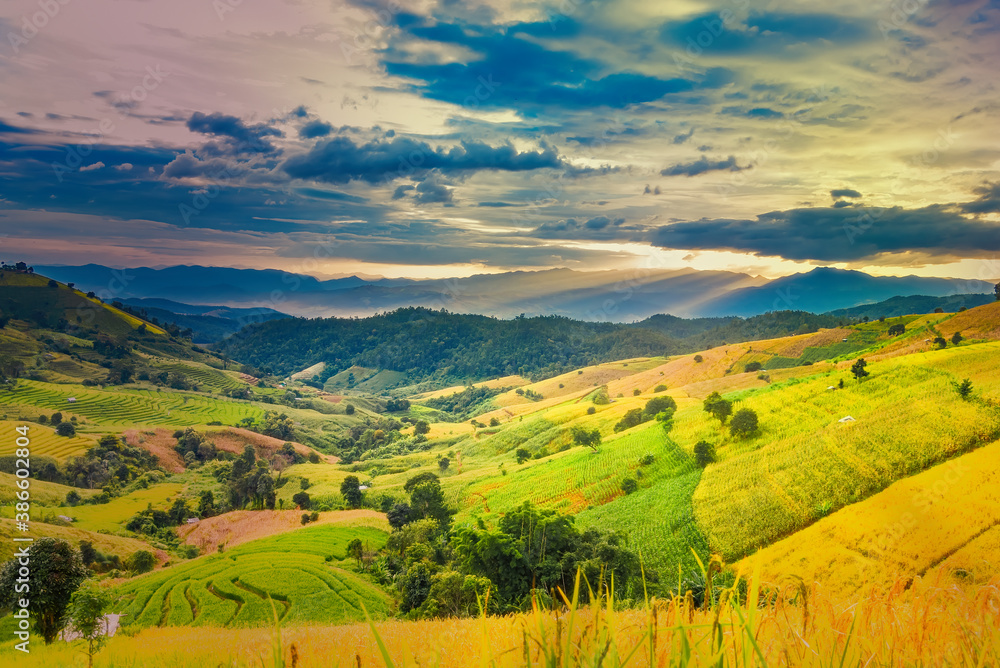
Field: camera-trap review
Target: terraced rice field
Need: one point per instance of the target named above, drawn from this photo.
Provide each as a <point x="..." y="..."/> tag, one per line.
<point x="42" y="493"/>
<point x="130" y="407"/>
<point x="204" y="376"/>
<point x="236" y="588"/>
<point x="805" y="462"/>
<point x="43" y="441"/>
<point x="110" y="516"/>
<point x="119" y="545"/>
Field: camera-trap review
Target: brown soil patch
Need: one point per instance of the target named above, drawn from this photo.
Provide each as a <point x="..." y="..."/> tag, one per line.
<point x="160" y="443"/>
<point x="234" y="439"/>
<point x="241" y="526"/>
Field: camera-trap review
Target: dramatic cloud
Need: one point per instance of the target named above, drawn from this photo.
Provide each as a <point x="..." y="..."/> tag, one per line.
<point x="844" y="192"/>
<point x="239" y="136"/>
<point x="340" y="160"/>
<point x="839" y="235"/>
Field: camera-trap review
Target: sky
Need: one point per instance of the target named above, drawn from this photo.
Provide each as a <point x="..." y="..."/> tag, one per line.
<point x="439" y="138"/>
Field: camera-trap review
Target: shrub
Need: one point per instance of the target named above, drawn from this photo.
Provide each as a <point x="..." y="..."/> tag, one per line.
<point x="591" y="410"/>
<point x="302" y="500"/>
<point x="636" y="392"/>
<point x="141" y="562"/>
<point x="660" y="388"/>
<point x="629" y="485"/>
<point x="699" y="359"/>
<point x="522" y="455"/>
<point x="349" y="409"/>
<point x="66" y="429"/>
<point x="957" y="338"/>
<point x="753" y="366"/>
<point x="647" y="459"/>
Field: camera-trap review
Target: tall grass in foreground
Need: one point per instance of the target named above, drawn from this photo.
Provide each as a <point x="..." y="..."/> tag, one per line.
<point x="921" y="625"/>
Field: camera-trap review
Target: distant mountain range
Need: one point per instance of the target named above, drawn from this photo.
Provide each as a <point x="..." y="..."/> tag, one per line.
<point x="208" y="323"/>
<point x="617" y="296"/>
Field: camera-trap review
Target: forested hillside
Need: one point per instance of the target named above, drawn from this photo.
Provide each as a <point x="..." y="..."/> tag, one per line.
<point x="430" y="344"/>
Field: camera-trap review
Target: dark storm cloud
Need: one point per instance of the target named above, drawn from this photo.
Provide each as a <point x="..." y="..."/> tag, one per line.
<point x="340" y="160"/>
<point x="702" y="165"/>
<point x="838" y="234"/>
<point x="240" y="136"/>
<point x="511" y="70"/>
<point x="13" y="129"/>
<point x="844" y="192"/>
<point x="683" y="137"/>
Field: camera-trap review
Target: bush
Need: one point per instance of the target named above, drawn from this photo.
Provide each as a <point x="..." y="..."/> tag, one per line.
<point x="302" y="500"/>
<point x="66" y="429"/>
<point x="660" y="388"/>
<point x="699" y="359"/>
<point x="141" y="562"/>
<point x="305" y="519"/>
<point x="753" y="366"/>
<point x="522" y="455"/>
<point x="591" y="410"/>
<point x="629" y="485"/>
<point x="636" y="392"/>
<point x="647" y="459"/>
<point x="349" y="409"/>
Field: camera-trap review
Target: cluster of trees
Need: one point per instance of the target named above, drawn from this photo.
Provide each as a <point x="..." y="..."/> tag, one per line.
<point x="441" y="571"/>
<point x="469" y="401"/>
<point x="744" y="423"/>
<point x="273" y="424"/>
<point x="660" y="408"/>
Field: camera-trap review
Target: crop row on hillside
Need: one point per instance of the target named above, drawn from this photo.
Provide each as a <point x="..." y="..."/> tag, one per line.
<point x="43" y="441"/>
<point x="236" y="588"/>
<point x="805" y="463"/>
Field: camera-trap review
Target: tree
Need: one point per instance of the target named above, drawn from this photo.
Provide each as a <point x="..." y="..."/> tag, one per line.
<point x="964" y="389"/>
<point x="698" y="359"/>
<point x="56" y="418"/>
<point x="718" y="407"/>
<point x="349" y="409"/>
<point x="858" y="368"/>
<point x="753" y="366"/>
<point x="427" y="502"/>
<point x="66" y="429"/>
<point x="704" y="453"/>
<point x="629" y="485"/>
<point x="657" y="406"/>
<point x="141" y="562"/>
<point x="421" y="427"/>
<point x="494" y="422"/>
<point x="88" y="554"/>
<point x="356" y="549"/>
<point x="56" y="572"/>
<point x="996" y="291"/>
<point x="305" y="519"/>
<point x="589" y="437"/>
<point x="398" y="515"/>
<point x="351" y="489"/>
<point x="443" y="464"/>
<point x="744" y="423"/>
<point x="72" y="497"/>
<point x="522" y="455"/>
<point x="206" y="504"/>
<point x="87" y="609"/>
<point x="302" y="500"/>
<point x="940" y="342"/>
<point x="957" y="338"/>
<point x="897" y="329"/>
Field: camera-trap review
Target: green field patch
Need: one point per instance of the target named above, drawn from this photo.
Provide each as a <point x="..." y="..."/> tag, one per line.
<point x="110" y="516"/>
<point x="236" y="588"/>
<point x="130" y="407"/>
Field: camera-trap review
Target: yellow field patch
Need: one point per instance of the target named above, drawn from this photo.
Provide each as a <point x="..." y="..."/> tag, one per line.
<point x="946" y="515"/>
<point x="42" y="441"/>
<point x="110" y="516"/>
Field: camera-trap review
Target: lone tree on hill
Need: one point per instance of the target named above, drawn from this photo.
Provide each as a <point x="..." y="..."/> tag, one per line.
<point x="744" y="423"/>
<point x="351" y="489"/>
<point x="718" y="407"/>
<point x="957" y="338"/>
<point x="704" y="453"/>
<point x="897" y="329"/>
<point x="858" y="369"/>
<point x="56" y="572"/>
<point x="941" y="342"/>
<point x="589" y="437"/>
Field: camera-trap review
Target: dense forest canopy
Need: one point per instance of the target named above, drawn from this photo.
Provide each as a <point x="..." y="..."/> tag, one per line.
<point x="430" y="345"/>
